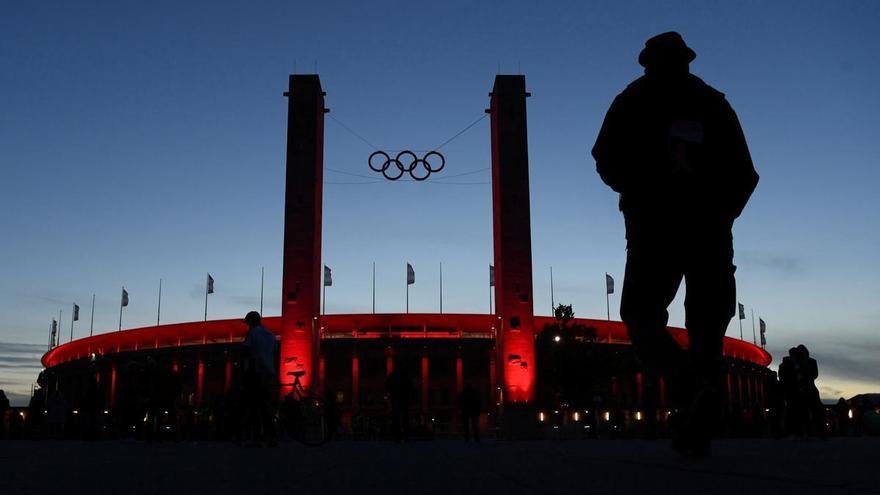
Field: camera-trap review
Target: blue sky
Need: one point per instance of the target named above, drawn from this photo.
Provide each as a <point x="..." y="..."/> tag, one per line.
<point x="141" y="141"/>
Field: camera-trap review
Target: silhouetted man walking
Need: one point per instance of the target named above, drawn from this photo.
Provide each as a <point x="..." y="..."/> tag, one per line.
<point x="258" y="352"/>
<point x="673" y="148"/>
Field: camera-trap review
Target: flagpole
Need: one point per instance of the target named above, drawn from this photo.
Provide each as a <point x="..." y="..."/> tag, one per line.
<point x="262" y="281"/>
<point x="441" y="287"/>
<point x="59" y="326"/>
<point x="374" y="287"/>
<point x="740" y="324"/>
<point x="754" y="337"/>
<point x="407" y="288"/>
<point x="92" y="319"/>
<point x="159" y="308"/>
<point x="206" y="297"/>
<point x="552" y="300"/>
<point x="491" y="285"/>
<point x="120" y="310"/>
<point x="607" y="300"/>
<point x="324" y="293"/>
<point x="73" y="315"/>
<point x="490" y="299"/>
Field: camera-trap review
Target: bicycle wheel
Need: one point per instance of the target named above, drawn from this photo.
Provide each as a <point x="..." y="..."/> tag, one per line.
<point x="310" y="428"/>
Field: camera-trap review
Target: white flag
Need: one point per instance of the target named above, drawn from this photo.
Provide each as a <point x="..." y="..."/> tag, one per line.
<point x="75" y="312"/>
<point x="124" y="297"/>
<point x="328" y="276"/>
<point x="609" y="284"/>
<point x="410" y="275"/>
<point x="210" y="284"/>
<point x="491" y="276"/>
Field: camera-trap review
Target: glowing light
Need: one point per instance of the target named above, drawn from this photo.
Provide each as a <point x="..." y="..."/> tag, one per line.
<point x="607" y="415"/>
<point x="638" y="415"/>
<point x="577" y="416"/>
<point x="849" y="414"/>
<point x="557" y="338"/>
<point x="541" y="416"/>
<point x="75" y="411"/>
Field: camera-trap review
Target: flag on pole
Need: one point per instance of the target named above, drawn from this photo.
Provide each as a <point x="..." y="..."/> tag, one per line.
<point x="54" y="332"/>
<point x="328" y="276"/>
<point x="491" y="276"/>
<point x="609" y="284"/>
<point x="124" y="297"/>
<point x="210" y="284"/>
<point x="763" y="331"/>
<point x="742" y="311"/>
<point x="75" y="312"/>
<point x="410" y="275"/>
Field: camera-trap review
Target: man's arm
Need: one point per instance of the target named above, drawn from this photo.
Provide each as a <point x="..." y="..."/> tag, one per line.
<point x="741" y="177"/>
<point x="609" y="148"/>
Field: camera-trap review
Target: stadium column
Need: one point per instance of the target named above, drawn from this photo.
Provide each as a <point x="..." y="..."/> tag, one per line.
<point x="512" y="238"/>
<point x="355" y="383"/>
<point x="302" y="229"/>
<point x="426" y="382"/>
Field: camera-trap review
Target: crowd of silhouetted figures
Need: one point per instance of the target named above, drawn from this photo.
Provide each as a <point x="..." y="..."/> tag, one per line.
<point x="153" y="405"/>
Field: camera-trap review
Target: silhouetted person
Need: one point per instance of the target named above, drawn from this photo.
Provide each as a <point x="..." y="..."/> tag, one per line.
<point x="812" y="402"/>
<point x="469" y="406"/>
<point x="672" y="146"/>
<point x="841" y="413"/>
<point x="791" y="380"/>
<point x="399" y="386"/>
<point x="258" y="352"/>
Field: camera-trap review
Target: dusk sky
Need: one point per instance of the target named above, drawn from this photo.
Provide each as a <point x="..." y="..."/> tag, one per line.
<point x="141" y="141"/>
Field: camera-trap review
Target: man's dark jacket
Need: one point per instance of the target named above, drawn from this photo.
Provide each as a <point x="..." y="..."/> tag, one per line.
<point x="674" y="149"/>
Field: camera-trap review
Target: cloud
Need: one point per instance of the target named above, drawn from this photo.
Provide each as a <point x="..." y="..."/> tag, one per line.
<point x="28" y="364"/>
<point x="52" y="298"/>
<point x="241" y="300"/>
<point x="783" y="263"/>
<point x="16" y="348"/>
<point x="19" y="367"/>
<point x="855" y="360"/>
<point x="18" y="400"/>
<point x="827" y="391"/>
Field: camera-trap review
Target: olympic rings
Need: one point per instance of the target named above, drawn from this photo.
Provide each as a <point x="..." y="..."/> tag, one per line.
<point x="406" y="162"/>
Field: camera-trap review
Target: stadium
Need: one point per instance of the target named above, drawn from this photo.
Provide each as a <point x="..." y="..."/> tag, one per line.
<point x="347" y="358"/>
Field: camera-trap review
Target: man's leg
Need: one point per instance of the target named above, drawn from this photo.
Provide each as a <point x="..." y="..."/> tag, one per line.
<point x="709" y="306"/>
<point x="652" y="278"/>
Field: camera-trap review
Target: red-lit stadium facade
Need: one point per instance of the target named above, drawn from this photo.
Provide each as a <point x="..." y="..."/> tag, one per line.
<point x="444" y="351"/>
<point x="348" y="357"/>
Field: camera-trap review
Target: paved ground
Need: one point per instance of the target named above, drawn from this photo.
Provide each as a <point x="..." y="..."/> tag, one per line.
<point x="743" y="467"/>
